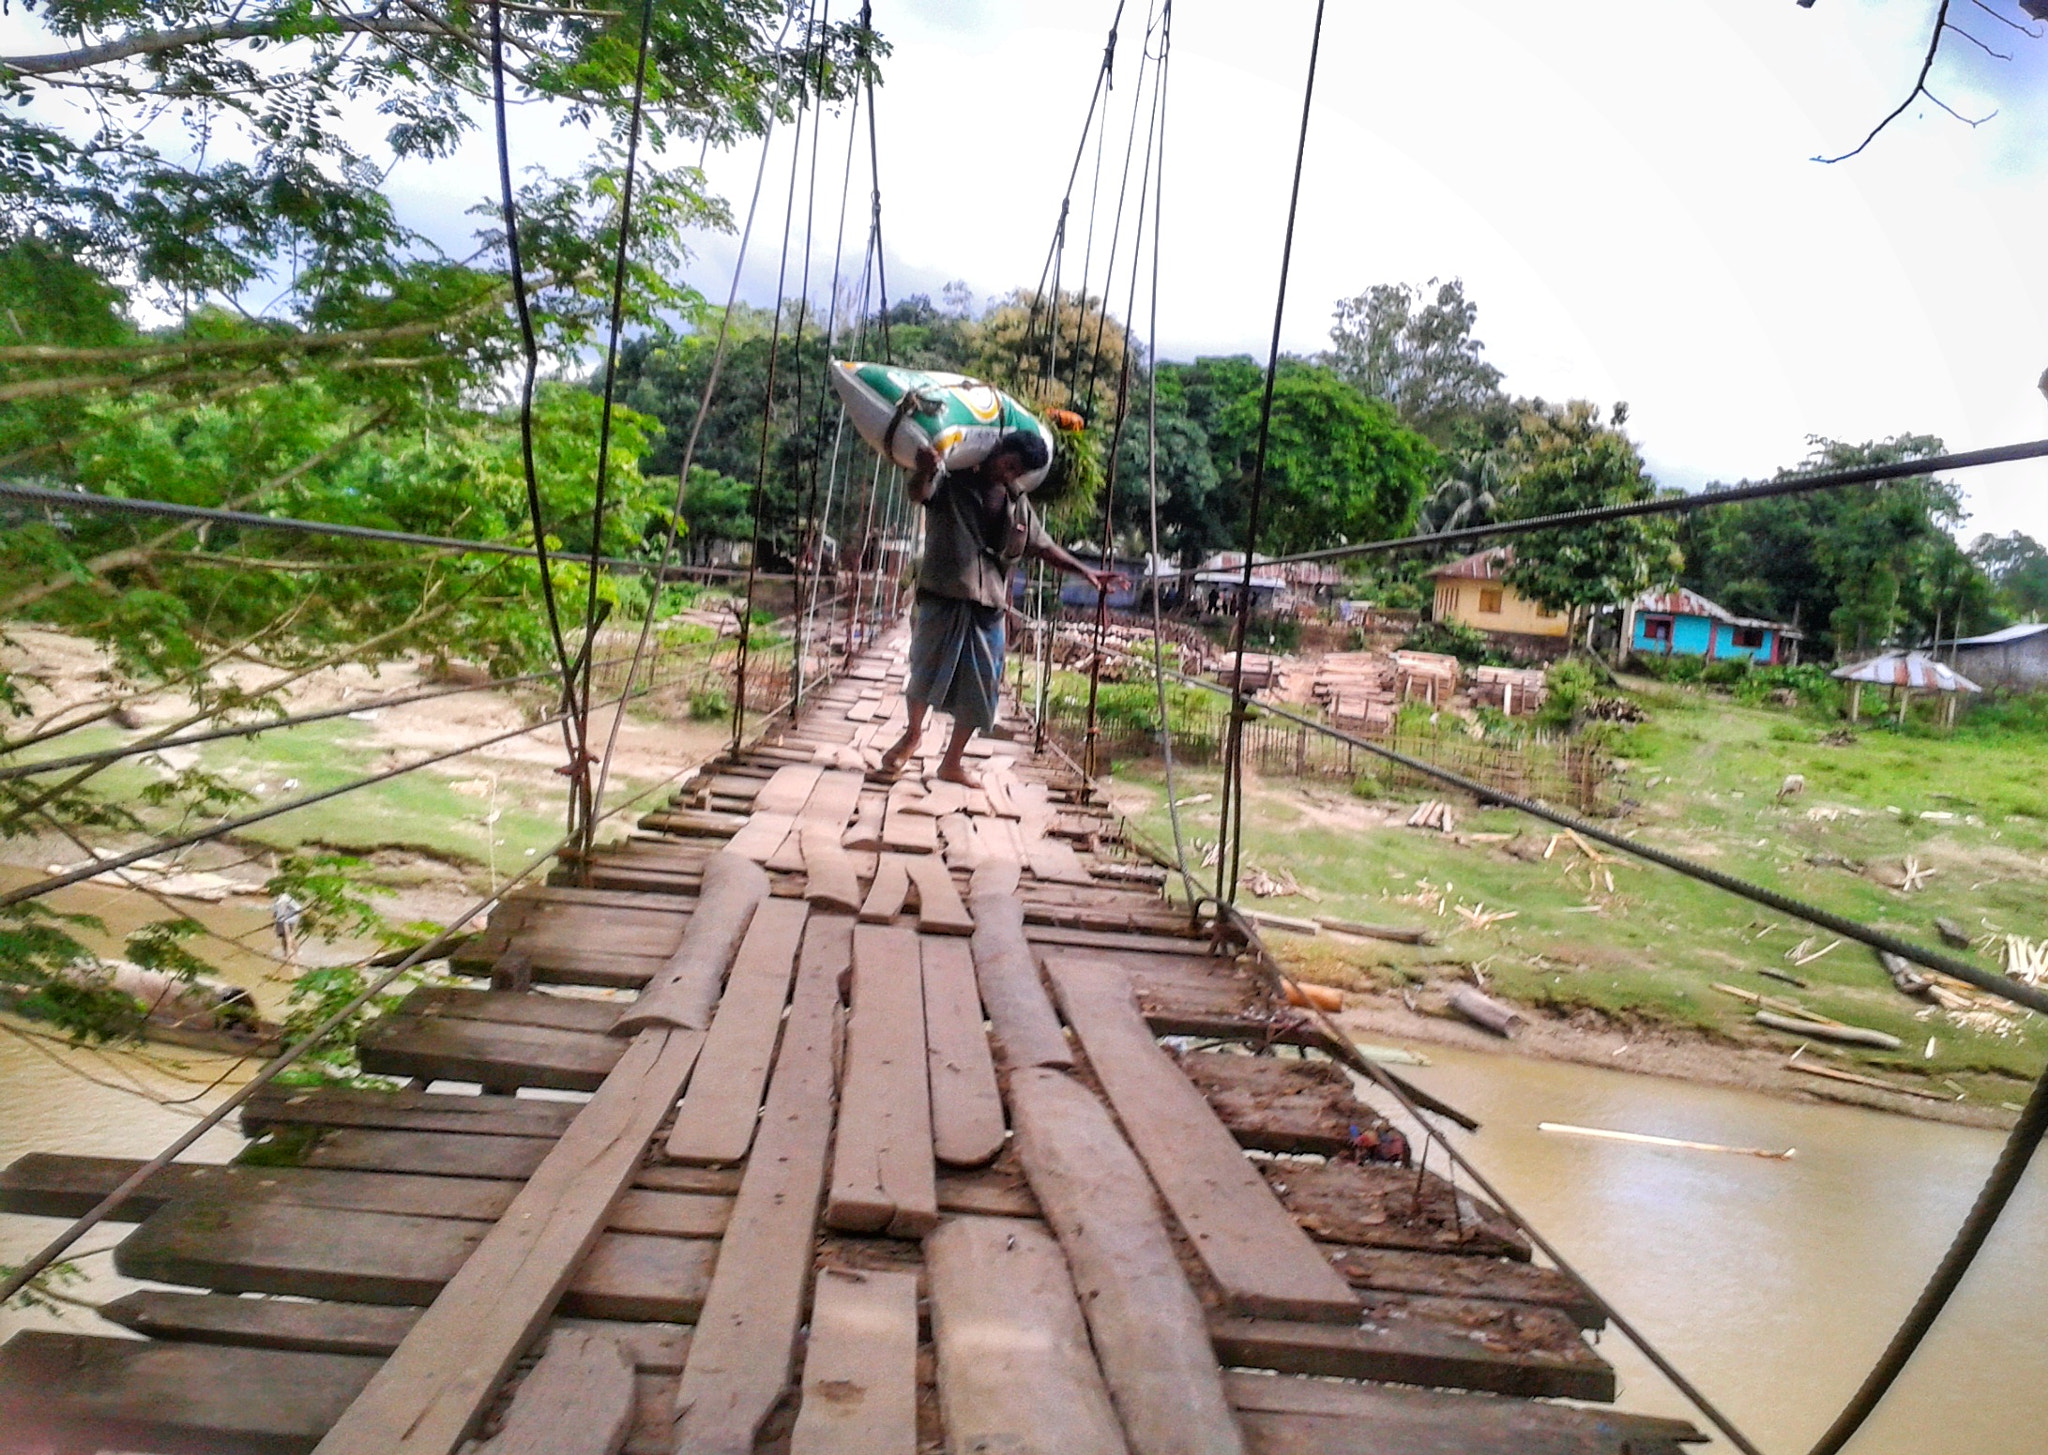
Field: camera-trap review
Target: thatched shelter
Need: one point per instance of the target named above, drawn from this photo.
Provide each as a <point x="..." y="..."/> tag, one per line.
<point x="1903" y="674"/>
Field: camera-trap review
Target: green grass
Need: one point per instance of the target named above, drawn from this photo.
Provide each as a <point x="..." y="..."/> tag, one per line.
<point x="1700" y="778"/>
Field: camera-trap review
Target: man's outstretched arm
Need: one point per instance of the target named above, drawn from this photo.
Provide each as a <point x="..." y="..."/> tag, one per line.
<point x="1061" y="559"/>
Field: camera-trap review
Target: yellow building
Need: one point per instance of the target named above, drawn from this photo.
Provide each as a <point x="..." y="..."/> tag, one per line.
<point x="1471" y="591"/>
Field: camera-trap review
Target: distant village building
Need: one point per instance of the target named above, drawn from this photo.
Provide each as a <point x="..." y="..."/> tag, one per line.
<point x="2015" y="658"/>
<point x="1684" y="623"/>
<point x="1472" y="593"/>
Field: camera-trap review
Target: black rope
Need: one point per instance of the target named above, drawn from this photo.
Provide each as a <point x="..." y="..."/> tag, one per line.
<point x="1085" y="397"/>
<point x="875" y="210"/>
<point x="1230" y="829"/>
<point x="581" y="798"/>
<point x="1683" y="504"/>
<point x="530" y="348"/>
<point x="1997" y="1191"/>
<point x="806" y="523"/>
<point x="1104" y="77"/>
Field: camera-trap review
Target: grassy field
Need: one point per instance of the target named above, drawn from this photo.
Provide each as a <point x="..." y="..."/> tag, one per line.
<point x="1701" y="778"/>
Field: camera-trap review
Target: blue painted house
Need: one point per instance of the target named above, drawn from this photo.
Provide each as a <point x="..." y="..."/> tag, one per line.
<point x="1684" y="623"/>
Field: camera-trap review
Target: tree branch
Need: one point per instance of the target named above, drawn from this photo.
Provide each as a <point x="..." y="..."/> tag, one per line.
<point x="1919" y="89"/>
<point x="156" y="42"/>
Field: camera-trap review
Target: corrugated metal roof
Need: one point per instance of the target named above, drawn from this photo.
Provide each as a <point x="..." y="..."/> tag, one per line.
<point x="1907" y="669"/>
<point x="1998" y="638"/>
<point x="1681" y="602"/>
<point x="1481" y="566"/>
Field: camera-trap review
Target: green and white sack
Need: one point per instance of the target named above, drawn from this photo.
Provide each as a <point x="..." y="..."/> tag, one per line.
<point x="900" y="411"/>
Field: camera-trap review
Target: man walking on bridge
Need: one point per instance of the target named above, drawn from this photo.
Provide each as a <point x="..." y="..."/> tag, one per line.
<point x="978" y="525"/>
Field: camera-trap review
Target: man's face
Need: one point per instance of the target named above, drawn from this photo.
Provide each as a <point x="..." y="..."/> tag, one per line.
<point x="1005" y="468"/>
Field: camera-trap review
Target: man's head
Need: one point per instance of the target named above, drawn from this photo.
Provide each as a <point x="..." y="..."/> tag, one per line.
<point x="1016" y="454"/>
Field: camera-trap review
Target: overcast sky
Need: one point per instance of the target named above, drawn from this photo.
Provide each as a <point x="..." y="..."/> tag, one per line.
<point x="1627" y="190"/>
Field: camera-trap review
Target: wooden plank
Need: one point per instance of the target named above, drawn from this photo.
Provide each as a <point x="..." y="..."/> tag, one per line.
<point x="995" y="875"/>
<point x="939" y="907"/>
<point x="890" y="888"/>
<point x="788" y="790"/>
<point x="967" y="1107"/>
<point x="715" y="1123"/>
<point x="746" y="1336"/>
<point x="59" y="1185"/>
<point x="447" y="1048"/>
<point x="906" y="832"/>
<point x="1258" y="1255"/>
<point x="1446" y="1275"/>
<point x="1286" y="1415"/>
<point x="429" y="1396"/>
<point x="762" y="836"/>
<point x="410" y="1111"/>
<point x="832" y="802"/>
<point x="829" y="879"/>
<point x="1015" y="1370"/>
<point x="390" y="1258"/>
<point x="963" y="844"/>
<point x="1150" y="1335"/>
<point x="266" y="1323"/>
<point x="76" y="1391"/>
<point x="882" y="1174"/>
<point x="860" y="1366"/>
<point x="866" y="831"/>
<point x="450" y="1154"/>
<point x="1055" y="861"/>
<point x="577" y="1401"/>
<point x="1454" y="1343"/>
<point x="940" y="799"/>
<point x="1285" y="1106"/>
<point x="1380" y="1206"/>
<point x="684" y="994"/>
<point x="1027" y="1033"/>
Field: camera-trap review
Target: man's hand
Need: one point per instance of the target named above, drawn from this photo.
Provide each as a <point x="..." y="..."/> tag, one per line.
<point x="927" y="460"/>
<point x="1107" y="580"/>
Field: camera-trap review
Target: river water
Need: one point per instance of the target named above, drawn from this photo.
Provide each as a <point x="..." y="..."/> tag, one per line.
<point x="1771" y="1284"/>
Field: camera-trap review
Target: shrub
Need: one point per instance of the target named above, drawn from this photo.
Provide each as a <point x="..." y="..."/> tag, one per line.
<point x="1455" y="639"/>
<point x="1726" y="672"/>
<point x="709" y="704"/>
<point x="1573" y="683"/>
<point x="1367" y="785"/>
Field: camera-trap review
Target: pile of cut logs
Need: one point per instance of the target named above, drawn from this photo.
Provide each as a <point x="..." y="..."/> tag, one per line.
<point x="1512" y="690"/>
<point x="1356" y="687"/>
<point x="1435" y="814"/>
<point x="1430" y="677"/>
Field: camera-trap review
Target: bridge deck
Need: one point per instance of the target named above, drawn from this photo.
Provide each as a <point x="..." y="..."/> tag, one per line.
<point x="904" y="1143"/>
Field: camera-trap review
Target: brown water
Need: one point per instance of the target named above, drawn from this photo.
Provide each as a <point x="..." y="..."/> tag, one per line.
<point x="1773" y="1285"/>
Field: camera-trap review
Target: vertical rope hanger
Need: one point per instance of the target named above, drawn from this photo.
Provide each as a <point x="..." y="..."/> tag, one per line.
<point x="1230" y="832"/>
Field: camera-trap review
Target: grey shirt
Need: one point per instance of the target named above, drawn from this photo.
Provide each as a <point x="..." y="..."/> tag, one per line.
<point x="970" y="545"/>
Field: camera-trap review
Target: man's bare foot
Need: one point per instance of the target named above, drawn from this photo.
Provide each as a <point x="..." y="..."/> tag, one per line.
<point x="956" y="773"/>
<point x="898" y="754"/>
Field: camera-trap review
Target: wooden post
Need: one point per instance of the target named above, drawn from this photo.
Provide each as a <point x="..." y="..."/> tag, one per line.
<point x="1855" y="700"/>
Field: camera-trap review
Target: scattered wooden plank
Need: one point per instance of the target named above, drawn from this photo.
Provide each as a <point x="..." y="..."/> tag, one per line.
<point x="1449" y="1275"/>
<point x="904" y="831"/>
<point x="715" y="1123"/>
<point x="762" y="836"/>
<point x="788" y="790"/>
<point x="860" y="1366"/>
<point x="939" y="907"/>
<point x="60" y="1185"/>
<point x="77" y="1391"/>
<point x="1288" y="1415"/>
<point x="829" y="880"/>
<point x="1149" y="1331"/>
<point x="1381" y="1206"/>
<point x="1027" y="1032"/>
<point x="866" y="831"/>
<point x="448" y="1048"/>
<point x="887" y="893"/>
<point x="940" y="799"/>
<point x="685" y="992"/>
<point x="882" y="1175"/>
<point x="995" y="875"/>
<point x="1449" y="1343"/>
<point x="963" y="844"/>
<point x="834" y="799"/>
<point x="746" y="1336"/>
<point x="267" y="1323"/>
<point x="1016" y="1373"/>
<point x="577" y="1401"/>
<point x="1282" y="1105"/>
<point x="1258" y="1255"/>
<point x="967" y="1107"/>
<point x="410" y="1111"/>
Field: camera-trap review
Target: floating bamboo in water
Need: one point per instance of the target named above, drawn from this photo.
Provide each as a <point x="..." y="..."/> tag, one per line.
<point x="1648" y="1139"/>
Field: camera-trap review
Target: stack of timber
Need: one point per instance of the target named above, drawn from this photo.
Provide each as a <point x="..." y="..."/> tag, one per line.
<point x="828" y="1113"/>
<point x="1261" y="671"/>
<point x="1430" y="677"/>
<point x="1516" y="691"/>
<point x="1358" y="688"/>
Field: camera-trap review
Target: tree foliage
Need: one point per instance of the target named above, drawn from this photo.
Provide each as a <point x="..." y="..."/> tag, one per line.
<point x="2017" y="566"/>
<point x="1398" y="343"/>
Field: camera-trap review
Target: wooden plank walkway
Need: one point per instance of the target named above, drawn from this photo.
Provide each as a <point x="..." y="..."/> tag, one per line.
<point x="879" y="1126"/>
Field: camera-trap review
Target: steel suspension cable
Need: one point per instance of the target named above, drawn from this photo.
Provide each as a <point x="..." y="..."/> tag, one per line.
<point x="1230" y="831"/>
<point x="582" y="800"/>
<point x="806" y="509"/>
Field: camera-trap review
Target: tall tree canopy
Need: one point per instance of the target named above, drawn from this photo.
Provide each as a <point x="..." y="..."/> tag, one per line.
<point x="2018" y="567"/>
<point x="1398" y="343"/>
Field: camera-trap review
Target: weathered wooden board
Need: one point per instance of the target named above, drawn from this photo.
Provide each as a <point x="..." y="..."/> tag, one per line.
<point x="1015" y="1370"/>
<point x="762" y="836"/>
<point x="1447" y="1275"/>
<point x="365" y="1257"/>
<point x="74" y="1391"/>
<point x="1452" y="1343"/>
<point x="450" y="1154"/>
<point x="715" y="1123"/>
<point x="788" y="790"/>
<point x="887" y="893"/>
<point x="59" y="1185"/>
<point x="410" y="1111"/>
<point x="575" y="1013"/>
<point x="940" y="910"/>
<point x="906" y="832"/>
<point x="1258" y="1255"/>
<point x="882" y="1174"/>
<point x="429" y="1396"/>
<point x="967" y="1107"/>
<point x="1055" y="861"/>
<point x="746" y="1336"/>
<point x="1277" y="1105"/>
<point x="860" y="1366"/>
<point x="446" y="1048"/>
<point x="685" y="992"/>
<point x="1285" y="1415"/>
<point x="1150" y="1335"/>
<point x="1027" y="1032"/>
<point x="1378" y="1206"/>
<point x="963" y="844"/>
<point x="829" y="880"/>
<point x="577" y="1401"/>
<point x="832" y="802"/>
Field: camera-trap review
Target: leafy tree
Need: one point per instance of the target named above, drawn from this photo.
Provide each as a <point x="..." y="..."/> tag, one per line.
<point x="1397" y="343"/>
<point x="2018" y="566"/>
<point x="1566" y="458"/>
